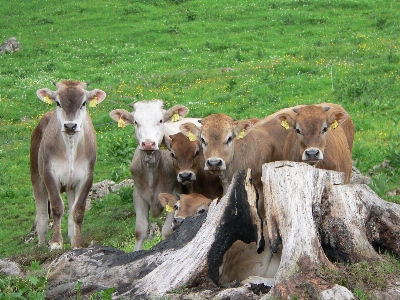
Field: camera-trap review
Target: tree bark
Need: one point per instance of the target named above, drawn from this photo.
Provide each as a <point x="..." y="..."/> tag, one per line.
<point x="191" y="256"/>
<point x="316" y="217"/>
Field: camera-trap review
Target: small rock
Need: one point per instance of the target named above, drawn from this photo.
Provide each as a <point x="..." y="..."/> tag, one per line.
<point x="10" y="268"/>
<point x="11" y="45"/>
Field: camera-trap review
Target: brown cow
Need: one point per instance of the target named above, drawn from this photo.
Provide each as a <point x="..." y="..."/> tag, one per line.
<point x="188" y="161"/>
<point x="321" y="136"/>
<point x="184" y="205"/>
<point x="62" y="158"/>
<point x="230" y="146"/>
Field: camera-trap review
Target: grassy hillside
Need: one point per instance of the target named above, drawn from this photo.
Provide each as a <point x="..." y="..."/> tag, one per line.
<point x="278" y="54"/>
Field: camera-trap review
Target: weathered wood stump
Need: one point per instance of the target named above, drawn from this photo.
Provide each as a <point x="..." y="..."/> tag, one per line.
<point x="316" y="217"/>
<point x="191" y="256"/>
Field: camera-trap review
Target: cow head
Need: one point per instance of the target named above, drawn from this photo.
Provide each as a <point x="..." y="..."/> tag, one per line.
<point x="217" y="136"/>
<point x="185" y="205"/>
<point x="186" y="156"/>
<point x="71" y="98"/>
<point x="312" y="124"/>
<point x="148" y="117"/>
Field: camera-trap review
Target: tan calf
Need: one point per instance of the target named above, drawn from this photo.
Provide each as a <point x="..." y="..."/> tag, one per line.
<point x="184" y="205"/>
<point x="321" y="136"/>
<point x="230" y="146"/>
<point x="188" y="160"/>
<point x="62" y="158"/>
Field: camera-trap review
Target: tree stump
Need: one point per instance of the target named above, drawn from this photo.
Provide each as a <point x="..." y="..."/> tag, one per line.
<point x="316" y="217"/>
<point x="190" y="256"/>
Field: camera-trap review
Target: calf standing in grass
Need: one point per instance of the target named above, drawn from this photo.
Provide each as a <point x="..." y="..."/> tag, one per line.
<point x="62" y="158"/>
<point x="321" y="136"/>
<point x="152" y="169"/>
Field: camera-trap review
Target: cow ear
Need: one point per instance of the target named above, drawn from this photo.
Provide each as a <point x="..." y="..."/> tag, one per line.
<point x="46" y="95"/>
<point x="286" y="121"/>
<point x="241" y="128"/>
<point x="190" y="128"/>
<point x="179" y="110"/>
<point x="166" y="198"/>
<point x="337" y="118"/>
<point x="121" y="114"/>
<point x="96" y="94"/>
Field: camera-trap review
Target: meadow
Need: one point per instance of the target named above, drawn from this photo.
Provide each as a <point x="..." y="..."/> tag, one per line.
<point x="246" y="59"/>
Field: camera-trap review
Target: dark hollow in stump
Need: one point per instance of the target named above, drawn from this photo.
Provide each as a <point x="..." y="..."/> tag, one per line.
<point x="190" y="257"/>
<point x="316" y="217"/>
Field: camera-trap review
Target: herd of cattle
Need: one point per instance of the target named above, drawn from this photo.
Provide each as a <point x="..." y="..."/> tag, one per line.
<point x="197" y="166"/>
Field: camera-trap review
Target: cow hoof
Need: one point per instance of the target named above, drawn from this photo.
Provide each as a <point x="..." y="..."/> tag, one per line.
<point x="55" y="246"/>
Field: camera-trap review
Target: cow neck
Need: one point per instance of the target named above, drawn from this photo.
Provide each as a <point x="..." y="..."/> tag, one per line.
<point x="71" y="143"/>
<point x="151" y="159"/>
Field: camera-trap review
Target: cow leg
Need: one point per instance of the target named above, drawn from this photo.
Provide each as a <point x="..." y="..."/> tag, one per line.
<point x="78" y="212"/>
<point x="142" y="220"/>
<point x="42" y="215"/>
<point x="57" y="210"/>
<point x="167" y="227"/>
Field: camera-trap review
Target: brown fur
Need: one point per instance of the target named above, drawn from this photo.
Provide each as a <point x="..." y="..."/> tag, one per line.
<point x="188" y="157"/>
<point x="262" y="143"/>
<point x="335" y="144"/>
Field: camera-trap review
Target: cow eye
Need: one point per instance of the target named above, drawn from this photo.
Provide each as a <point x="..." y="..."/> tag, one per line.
<point x="197" y="153"/>
<point x="136" y="123"/>
<point x="83" y="104"/>
<point x="203" y="142"/>
<point x="176" y="207"/>
<point x="173" y="155"/>
<point x="298" y="131"/>
<point x="229" y="140"/>
<point x="201" y="211"/>
<point x="58" y="103"/>
<point x="324" y="130"/>
<point x="160" y="121"/>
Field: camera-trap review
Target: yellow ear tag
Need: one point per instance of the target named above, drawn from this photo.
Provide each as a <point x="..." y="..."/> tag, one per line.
<point x="175" y="117"/>
<point x="47" y="100"/>
<point x="285" y="124"/>
<point x="93" y="102"/>
<point x="163" y="147"/>
<point x="169" y="208"/>
<point x="121" y="123"/>
<point x="241" y="134"/>
<point x="191" y="137"/>
<point x="334" y="125"/>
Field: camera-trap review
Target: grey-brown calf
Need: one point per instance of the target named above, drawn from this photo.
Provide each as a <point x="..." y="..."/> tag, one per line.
<point x="62" y="158"/>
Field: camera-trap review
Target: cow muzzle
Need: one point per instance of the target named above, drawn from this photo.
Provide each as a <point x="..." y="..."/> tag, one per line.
<point x="177" y="222"/>
<point x="312" y="156"/>
<point x="214" y="165"/>
<point x="186" y="177"/>
<point x="70" y="128"/>
<point x="148" y="146"/>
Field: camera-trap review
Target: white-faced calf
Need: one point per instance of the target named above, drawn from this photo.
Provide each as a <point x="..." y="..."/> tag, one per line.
<point x="62" y="158"/>
<point x="152" y="169"/>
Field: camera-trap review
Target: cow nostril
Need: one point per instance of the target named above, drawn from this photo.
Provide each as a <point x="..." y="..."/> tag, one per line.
<point x="70" y="126"/>
<point x="214" y="162"/>
<point x="185" y="176"/>
<point x="312" y="152"/>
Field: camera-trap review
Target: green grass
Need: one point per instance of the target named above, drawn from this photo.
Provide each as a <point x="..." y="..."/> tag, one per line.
<point x="281" y="54"/>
